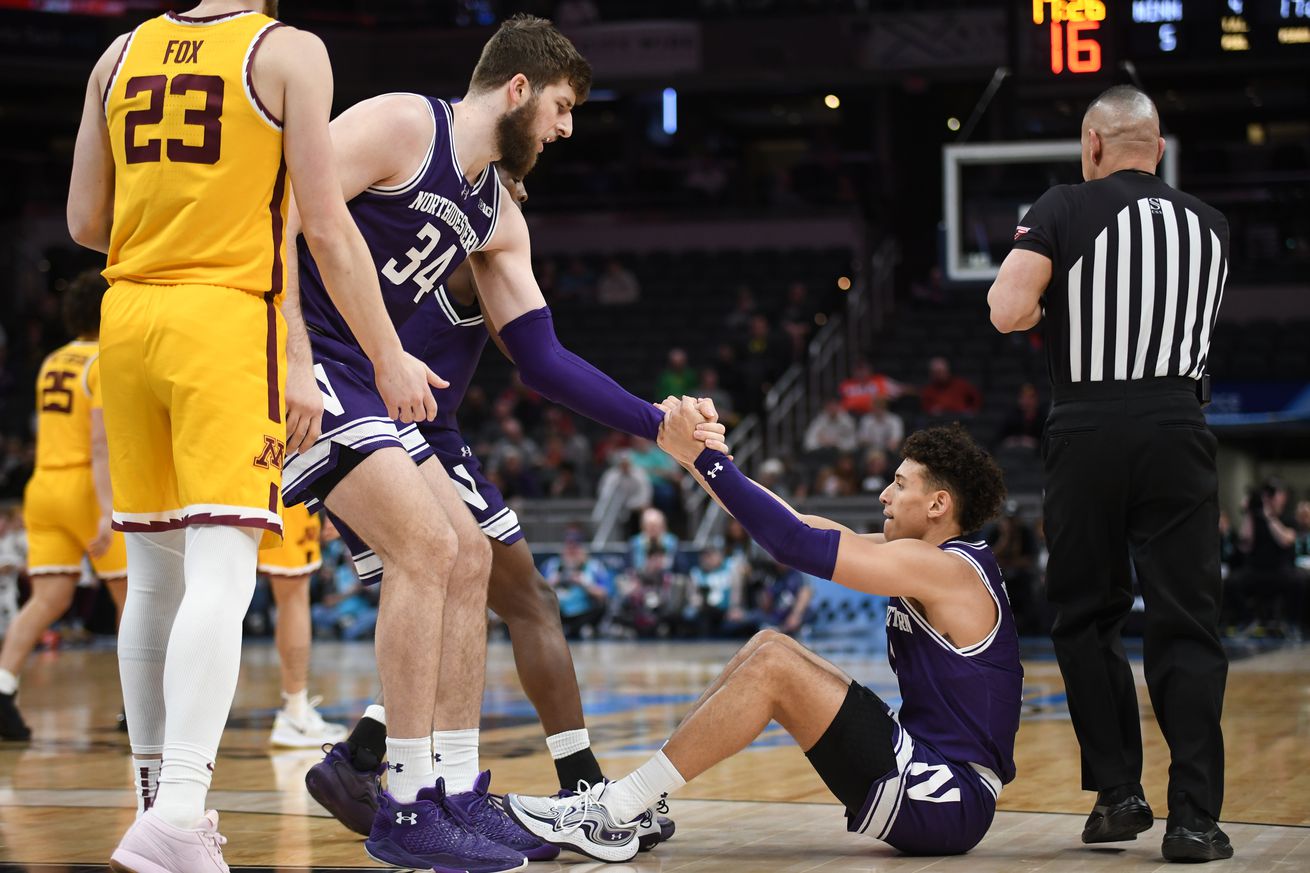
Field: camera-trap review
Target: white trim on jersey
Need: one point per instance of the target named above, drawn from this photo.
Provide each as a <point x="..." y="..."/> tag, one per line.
<point x="406" y="186"/>
<point x="978" y="647"/>
<point x="449" y="309"/>
<point x="117" y="71"/>
<point x="495" y="216"/>
<point x="353" y="435"/>
<point x="174" y="18"/>
<point x="50" y="569"/>
<point x="367" y="565"/>
<point x="242" y="514"/>
<point x="501" y="525"/>
<point x="276" y="570"/>
<point x="86" y="372"/>
<point x="990" y="780"/>
<point x="888" y="798"/>
<point x="475" y="187"/>
<point x="248" y="80"/>
<point x="413" y="441"/>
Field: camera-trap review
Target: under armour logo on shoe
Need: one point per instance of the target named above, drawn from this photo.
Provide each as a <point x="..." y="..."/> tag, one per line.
<point x="408" y="818"/>
<point x="399" y="768"/>
<point x="715" y="470"/>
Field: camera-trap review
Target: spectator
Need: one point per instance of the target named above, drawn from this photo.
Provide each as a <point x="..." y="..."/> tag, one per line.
<point x="859" y="390"/>
<point x="655" y="597"/>
<point x="521" y="402"/>
<point x="565" y="482"/>
<point x="1268" y="590"/>
<point x="930" y="290"/>
<point x="474" y="411"/>
<point x="561" y="430"/>
<point x="516" y="479"/>
<point x="348" y="610"/>
<point x="13" y="561"/>
<point x="946" y="394"/>
<point x="772" y="476"/>
<point x="571" y="13"/>
<point x="604" y="449"/>
<point x="617" y="285"/>
<point x="577" y="282"/>
<point x="1023" y="426"/>
<point x="665" y="476"/>
<point x="881" y="429"/>
<point x="514" y="441"/>
<point x="763" y="359"/>
<point x="848" y="477"/>
<point x="716" y="591"/>
<point x="1015" y="546"/>
<point x="728" y="369"/>
<point x="782" y="601"/>
<point x="582" y="584"/>
<point x="626" y="484"/>
<point x="709" y="387"/>
<point x="653" y="536"/>
<point x="677" y="379"/>
<point x="738" y="322"/>
<point x="832" y="428"/>
<point x="797" y="318"/>
<point x="876" y="472"/>
<point x="1302" y="547"/>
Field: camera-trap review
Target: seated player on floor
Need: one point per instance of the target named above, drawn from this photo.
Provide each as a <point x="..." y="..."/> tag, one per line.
<point x="925" y="779"/>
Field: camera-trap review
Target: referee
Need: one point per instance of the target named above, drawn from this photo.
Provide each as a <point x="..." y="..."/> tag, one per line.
<point x="1129" y="274"/>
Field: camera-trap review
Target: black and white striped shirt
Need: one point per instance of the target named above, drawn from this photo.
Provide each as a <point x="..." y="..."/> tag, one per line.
<point x="1137" y="276"/>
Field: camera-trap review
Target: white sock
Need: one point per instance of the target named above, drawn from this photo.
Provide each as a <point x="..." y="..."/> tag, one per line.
<point x="145" y="775"/>
<point x="376" y="712"/>
<point x="155" y="584"/>
<point x="637" y="792"/>
<point x="8" y="682"/>
<point x="202" y="664"/>
<point x="409" y="767"/>
<point x="456" y="756"/>
<point x="567" y="743"/>
<point x="296" y="705"/>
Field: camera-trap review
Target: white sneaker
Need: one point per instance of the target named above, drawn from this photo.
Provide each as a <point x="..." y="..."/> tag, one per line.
<point x="152" y="845"/>
<point x="580" y="822"/>
<point x="309" y="732"/>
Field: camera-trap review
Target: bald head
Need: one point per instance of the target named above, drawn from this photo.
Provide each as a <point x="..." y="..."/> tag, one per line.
<point x="1121" y="131"/>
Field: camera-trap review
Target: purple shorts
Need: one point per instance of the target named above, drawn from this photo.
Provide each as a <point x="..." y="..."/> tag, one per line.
<point x="483" y="499"/>
<point x="355" y="423"/>
<point x="928" y="805"/>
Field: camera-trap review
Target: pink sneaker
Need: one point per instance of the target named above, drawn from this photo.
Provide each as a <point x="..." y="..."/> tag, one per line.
<point x="152" y="845"/>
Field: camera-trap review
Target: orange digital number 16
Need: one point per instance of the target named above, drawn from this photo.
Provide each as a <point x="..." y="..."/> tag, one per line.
<point x="1079" y="54"/>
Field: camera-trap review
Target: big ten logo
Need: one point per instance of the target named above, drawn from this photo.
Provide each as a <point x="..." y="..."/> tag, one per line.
<point x="1070" y="20"/>
<point x="271" y="454"/>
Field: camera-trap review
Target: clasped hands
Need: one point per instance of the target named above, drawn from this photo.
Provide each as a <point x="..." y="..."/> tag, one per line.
<point x="690" y="426"/>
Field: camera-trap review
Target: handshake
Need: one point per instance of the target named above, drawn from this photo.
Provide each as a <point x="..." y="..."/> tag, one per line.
<point x="690" y="426"/>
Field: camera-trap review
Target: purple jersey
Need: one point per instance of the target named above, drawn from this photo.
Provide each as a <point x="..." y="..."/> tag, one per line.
<point x="449" y="337"/>
<point x="962" y="702"/>
<point x="418" y="232"/>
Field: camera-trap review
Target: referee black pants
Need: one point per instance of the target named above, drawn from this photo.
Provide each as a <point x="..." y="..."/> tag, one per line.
<point x="1130" y="476"/>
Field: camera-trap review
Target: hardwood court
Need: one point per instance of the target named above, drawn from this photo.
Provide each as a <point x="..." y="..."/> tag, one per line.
<point x="764" y="810"/>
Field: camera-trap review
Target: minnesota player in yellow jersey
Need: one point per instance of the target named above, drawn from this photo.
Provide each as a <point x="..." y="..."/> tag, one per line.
<point x="67" y="503"/>
<point x="298" y="724"/>
<point x="193" y="129"/>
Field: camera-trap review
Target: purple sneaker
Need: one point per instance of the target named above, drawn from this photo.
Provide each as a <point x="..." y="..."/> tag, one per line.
<point x="351" y="795"/>
<point x="480" y="811"/>
<point x="424" y="835"/>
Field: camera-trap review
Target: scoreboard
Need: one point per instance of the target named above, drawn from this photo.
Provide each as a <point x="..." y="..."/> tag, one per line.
<point x="1070" y="38"/>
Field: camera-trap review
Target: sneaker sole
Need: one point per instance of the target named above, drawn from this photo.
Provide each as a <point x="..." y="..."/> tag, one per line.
<point x="620" y="853"/>
<point x="1125" y="827"/>
<point x="426" y="866"/>
<point x="1195" y="851"/>
<point x="123" y="861"/>
<point x="319" y="789"/>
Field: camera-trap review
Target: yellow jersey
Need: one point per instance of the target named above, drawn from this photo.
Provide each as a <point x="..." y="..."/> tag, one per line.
<point x="67" y="389"/>
<point x="200" y="187"/>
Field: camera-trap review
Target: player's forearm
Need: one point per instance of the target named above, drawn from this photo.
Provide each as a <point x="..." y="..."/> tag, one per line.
<point x="769" y="521"/>
<point x="561" y="376"/>
<point x="298" y="351"/>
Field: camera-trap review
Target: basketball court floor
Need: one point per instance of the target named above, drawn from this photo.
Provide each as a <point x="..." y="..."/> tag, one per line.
<point x="66" y="797"/>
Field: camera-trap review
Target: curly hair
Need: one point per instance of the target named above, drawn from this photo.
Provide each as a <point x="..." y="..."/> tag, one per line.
<point x="955" y="463"/>
<point x="81" y="303"/>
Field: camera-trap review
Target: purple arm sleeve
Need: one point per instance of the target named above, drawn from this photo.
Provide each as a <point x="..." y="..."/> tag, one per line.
<point x="784" y="536"/>
<point x="561" y="376"/>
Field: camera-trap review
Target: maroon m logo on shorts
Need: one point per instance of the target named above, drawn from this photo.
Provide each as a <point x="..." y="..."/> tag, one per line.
<point x="272" y="453"/>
